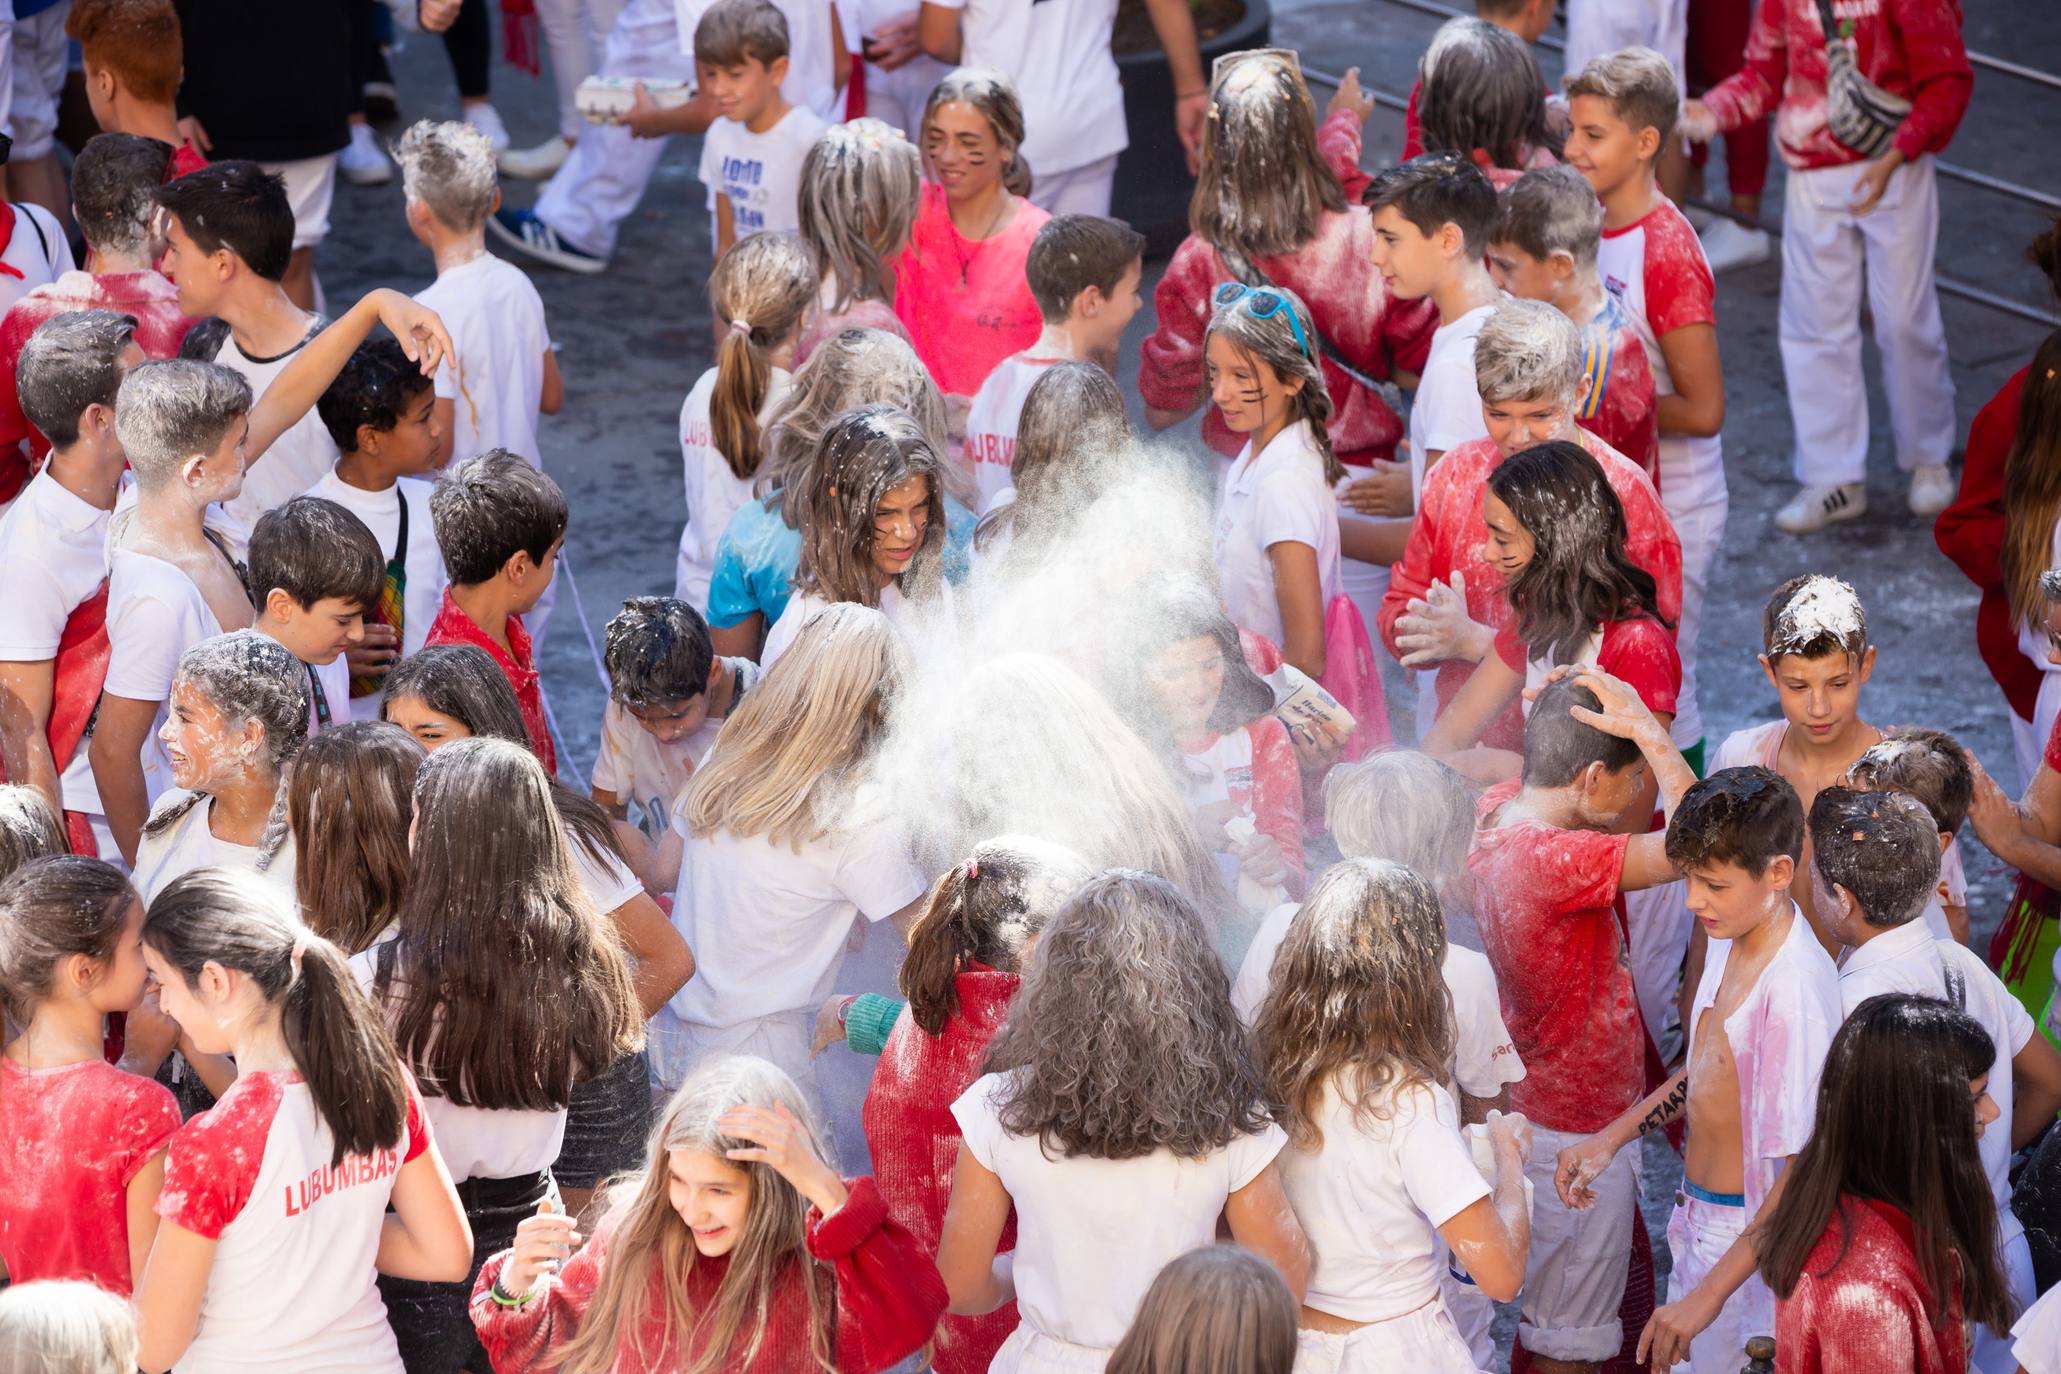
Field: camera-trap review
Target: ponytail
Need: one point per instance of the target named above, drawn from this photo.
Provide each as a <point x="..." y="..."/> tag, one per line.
<point x="52" y="908"/>
<point x="338" y="1041"/>
<point x="942" y="939"/>
<point x="986" y="910"/>
<point x="763" y="288"/>
<point x="742" y="379"/>
<point x="1016" y="175"/>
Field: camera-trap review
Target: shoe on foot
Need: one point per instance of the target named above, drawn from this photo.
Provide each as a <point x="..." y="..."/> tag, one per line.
<point x="535" y="164"/>
<point x="1729" y="244"/>
<point x="1813" y="508"/>
<point x="361" y="162"/>
<point x="530" y="236"/>
<point x="1932" y="489"/>
<point x="487" y="120"/>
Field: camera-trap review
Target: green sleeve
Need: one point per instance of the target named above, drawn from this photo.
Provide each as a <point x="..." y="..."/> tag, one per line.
<point x="867" y="1023"/>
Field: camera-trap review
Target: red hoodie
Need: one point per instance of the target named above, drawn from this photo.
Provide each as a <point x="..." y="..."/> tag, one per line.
<point x="1971" y="533"/>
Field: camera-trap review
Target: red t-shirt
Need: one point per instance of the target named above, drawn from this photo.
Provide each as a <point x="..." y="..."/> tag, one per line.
<point x="1639" y="651"/>
<point x="967" y="305"/>
<point x="454" y="626"/>
<point x="1545" y="903"/>
<point x="73" y="1138"/>
<point x="185" y="158"/>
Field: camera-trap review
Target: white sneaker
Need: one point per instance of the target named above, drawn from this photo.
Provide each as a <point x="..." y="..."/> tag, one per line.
<point x="1729" y="244"/>
<point x="487" y="120"/>
<point x="361" y="161"/>
<point x="1813" y="508"/>
<point x="535" y="164"/>
<point x="1932" y="488"/>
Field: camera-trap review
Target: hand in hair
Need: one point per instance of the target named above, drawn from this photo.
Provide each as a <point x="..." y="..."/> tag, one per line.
<point x="1622" y="713"/>
<point x="1437" y="628"/>
<point x="1349" y="96"/>
<point x="1996" y="819"/>
<point x="543" y="1243"/>
<point x="783" y="1145"/>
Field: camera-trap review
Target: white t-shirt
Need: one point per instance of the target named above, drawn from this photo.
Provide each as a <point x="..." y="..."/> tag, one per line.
<point x="1372" y="1197"/>
<point x="291" y="1284"/>
<point x="1909" y="959"/>
<point x="992" y="419"/>
<point x="297" y="458"/>
<point x="423" y="562"/>
<point x="38" y="250"/>
<point x="1446" y="411"/>
<point x="1484" y="1059"/>
<point x="768" y="925"/>
<point x="607" y="881"/>
<point x="189" y="843"/>
<point x="1092" y="1233"/>
<point x="495" y="378"/>
<point x="714" y="492"/>
<point x="760" y="173"/>
<point x="901" y="612"/>
<point x="155" y="613"/>
<point x="53" y="558"/>
<point x="1057" y="53"/>
<point x="811" y="64"/>
<point x="2036" y="1338"/>
<point x="642" y="772"/>
<point x="1278" y="497"/>
<point x="1950" y="890"/>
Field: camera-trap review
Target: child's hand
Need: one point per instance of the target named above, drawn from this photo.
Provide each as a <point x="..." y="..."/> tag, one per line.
<point x="437" y="15"/>
<point x="196" y="133"/>
<point x="1697" y="124"/>
<point x="1386" y="491"/>
<point x="1210" y="820"/>
<point x="1261" y="860"/>
<point x="1577" y="1167"/>
<point x="1510" y="1132"/>
<point x="1349" y="96"/>
<point x="543" y="1243"/>
<point x="1437" y="627"/>
<point x="783" y="1144"/>
<point x="644" y="119"/>
<point x="1996" y="820"/>
<point x="893" y="42"/>
<point x="421" y="333"/>
<point x="148" y="1035"/>
<point x="1622" y="713"/>
<point x="1191" y="117"/>
<point x="375" y="653"/>
<point x="1868" y="191"/>
<point x="829" y="1026"/>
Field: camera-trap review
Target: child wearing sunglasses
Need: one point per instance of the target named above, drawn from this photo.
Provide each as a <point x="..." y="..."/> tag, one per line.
<point x="1276" y="540"/>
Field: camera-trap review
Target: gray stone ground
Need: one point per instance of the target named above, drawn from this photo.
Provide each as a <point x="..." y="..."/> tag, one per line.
<point x="633" y="340"/>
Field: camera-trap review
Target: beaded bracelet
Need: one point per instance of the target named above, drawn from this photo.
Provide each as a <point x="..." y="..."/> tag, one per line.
<point x="503" y="1298"/>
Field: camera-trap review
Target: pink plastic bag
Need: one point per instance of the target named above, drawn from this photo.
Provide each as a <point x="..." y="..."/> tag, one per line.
<point x="1351" y="676"/>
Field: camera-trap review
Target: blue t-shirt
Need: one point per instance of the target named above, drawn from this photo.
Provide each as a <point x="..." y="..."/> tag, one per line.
<point x="757" y="556"/>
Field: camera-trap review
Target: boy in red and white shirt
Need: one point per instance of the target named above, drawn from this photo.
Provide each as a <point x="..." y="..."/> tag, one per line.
<point x="1083" y="272"/>
<point x="1851" y="205"/>
<point x="1551" y="857"/>
<point x="1623" y="108"/>
<point x="1543" y="248"/>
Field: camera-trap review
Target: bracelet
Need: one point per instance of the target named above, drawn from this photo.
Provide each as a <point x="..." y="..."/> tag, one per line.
<point x="844" y="1011"/>
<point x="1198" y="90"/>
<point x="503" y="1298"/>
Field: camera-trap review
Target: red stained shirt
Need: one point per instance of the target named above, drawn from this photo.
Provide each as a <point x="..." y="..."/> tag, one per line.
<point x="967" y="305"/>
<point x="454" y="626"/>
<point x="1448" y="536"/>
<point x="1335" y="276"/>
<point x="160" y="328"/>
<point x="1640" y="652"/>
<point x="1544" y="900"/>
<point x="1910" y="48"/>
<point x="1620" y="406"/>
<point x="888" y="1300"/>
<point x="1861" y="1302"/>
<point x="914" y="1139"/>
<point x="185" y="158"/>
<point x="1971" y="533"/>
<point x="71" y="1140"/>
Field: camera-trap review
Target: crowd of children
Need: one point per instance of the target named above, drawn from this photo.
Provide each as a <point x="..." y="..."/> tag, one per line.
<point x="342" y="1032"/>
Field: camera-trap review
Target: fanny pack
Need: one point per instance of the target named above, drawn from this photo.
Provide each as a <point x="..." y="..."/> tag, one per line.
<point x="1860" y="114"/>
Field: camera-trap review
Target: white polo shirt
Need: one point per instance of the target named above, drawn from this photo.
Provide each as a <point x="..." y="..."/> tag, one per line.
<point x="1276" y="497"/>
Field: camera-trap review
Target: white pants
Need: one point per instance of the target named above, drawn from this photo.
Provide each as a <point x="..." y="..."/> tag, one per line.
<point x="576" y="31"/>
<point x="1029" y="1351"/>
<point x="1595" y="27"/>
<point x="1574" y="1277"/>
<point x="1826" y="253"/>
<point x="589" y="197"/>
<point x="897" y="98"/>
<point x="1701" y="528"/>
<point x="1076" y="191"/>
<point x="675" y="1046"/>
<point x="1472" y="1311"/>
<point x="1992" y="1353"/>
<point x="1658" y="921"/>
<point x="1419" y="1342"/>
<point x="1698" y="1234"/>
<point x="310" y="190"/>
<point x="36" y="59"/>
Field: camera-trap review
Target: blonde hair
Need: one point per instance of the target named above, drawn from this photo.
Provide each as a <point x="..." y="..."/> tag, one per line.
<point x="1639" y="86"/>
<point x="990" y="92"/>
<point x="762" y="289"/>
<point x="1289" y="349"/>
<point x="647" y="1234"/>
<point x="1264" y="186"/>
<point x="787" y="757"/>
<point x="63" y="1326"/>
<point x="860" y="185"/>
<point x="1217" y="1310"/>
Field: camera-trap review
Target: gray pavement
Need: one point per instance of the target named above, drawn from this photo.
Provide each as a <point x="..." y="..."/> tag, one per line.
<point x="633" y="340"/>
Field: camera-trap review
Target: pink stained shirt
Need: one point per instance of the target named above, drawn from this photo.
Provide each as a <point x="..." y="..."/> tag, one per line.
<point x="967" y="304"/>
<point x="1620" y="408"/>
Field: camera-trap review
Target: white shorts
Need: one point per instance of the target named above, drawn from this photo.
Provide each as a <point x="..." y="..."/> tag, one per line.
<point x="1028" y="1351"/>
<point x="1473" y="1311"/>
<point x="37" y="67"/>
<point x="1574" y="1277"/>
<point x="1698" y="1234"/>
<point x="310" y="187"/>
<point x="1420" y="1342"/>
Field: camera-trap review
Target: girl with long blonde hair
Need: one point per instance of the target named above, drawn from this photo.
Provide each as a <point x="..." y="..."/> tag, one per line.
<point x="860" y="184"/>
<point x="1356" y="1037"/>
<point x="787" y="848"/>
<point x="736" y="1248"/>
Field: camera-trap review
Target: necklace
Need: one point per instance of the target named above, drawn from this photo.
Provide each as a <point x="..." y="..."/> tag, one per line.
<point x="979" y="242"/>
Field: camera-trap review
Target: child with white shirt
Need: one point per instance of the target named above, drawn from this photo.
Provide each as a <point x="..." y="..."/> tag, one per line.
<point x="1875" y="861"/>
<point x="314" y="569"/>
<point x="751" y="157"/>
<point x="1083" y="271"/>
<point x="53" y="562"/>
<point x="1069" y="434"/>
<point x="760" y="294"/>
<point x="239" y="715"/>
<point x="1931" y="767"/>
<point x="1357" y="1043"/>
<point x="1432" y="217"/>
<point x="382" y="413"/>
<point x="503" y="373"/>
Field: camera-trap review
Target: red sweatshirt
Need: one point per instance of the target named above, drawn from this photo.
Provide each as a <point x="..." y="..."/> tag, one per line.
<point x="1971" y="533"/>
<point x="915" y="1140"/>
<point x="889" y="1297"/>
<point x="1335" y="276"/>
<point x="1910" y="48"/>
<point x="1861" y="1302"/>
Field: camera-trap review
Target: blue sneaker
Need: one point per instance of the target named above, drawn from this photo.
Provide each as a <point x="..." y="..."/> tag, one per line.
<point x="530" y="236"/>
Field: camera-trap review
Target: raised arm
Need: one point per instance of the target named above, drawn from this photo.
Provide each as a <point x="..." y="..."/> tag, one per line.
<point x="301" y="383"/>
<point x="1645" y="858"/>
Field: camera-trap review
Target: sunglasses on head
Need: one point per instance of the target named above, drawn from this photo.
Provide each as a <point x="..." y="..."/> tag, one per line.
<point x="1264" y="302"/>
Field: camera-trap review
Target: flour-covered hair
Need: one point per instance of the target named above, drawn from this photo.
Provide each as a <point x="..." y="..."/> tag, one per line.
<point x="1812" y="616"/>
<point x="866" y="454"/>
<point x="1482" y="92"/>
<point x="1284" y="340"/>
<point x="114" y="190"/>
<point x="1527" y="351"/>
<point x="1405" y="807"/>
<point x="448" y="166"/>
<point x="171" y="410"/>
<point x="1551" y="210"/>
<point x="250" y="678"/>
<point x="850" y="369"/>
<point x="860" y="186"/>
<point x="990" y="92"/>
<point x="72" y="361"/>
<point x="29" y="828"/>
<point x="65" y="1326"/>
<point x="763" y="288"/>
<point x="1264" y="186"/>
<point x="985" y="910"/>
